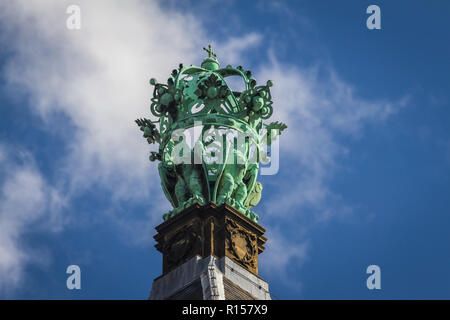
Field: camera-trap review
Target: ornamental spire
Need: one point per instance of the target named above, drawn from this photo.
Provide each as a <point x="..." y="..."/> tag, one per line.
<point x="210" y="62"/>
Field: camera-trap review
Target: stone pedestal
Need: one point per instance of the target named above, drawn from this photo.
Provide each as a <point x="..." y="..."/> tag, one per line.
<point x="210" y="252"/>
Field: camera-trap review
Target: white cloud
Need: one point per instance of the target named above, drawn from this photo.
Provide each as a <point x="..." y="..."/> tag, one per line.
<point x="233" y="50"/>
<point x="283" y="252"/>
<point x="319" y="109"/>
<point x="98" y="77"/>
<point x="26" y="200"/>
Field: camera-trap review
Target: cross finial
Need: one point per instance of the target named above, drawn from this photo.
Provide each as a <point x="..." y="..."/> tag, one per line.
<point x="210" y="52"/>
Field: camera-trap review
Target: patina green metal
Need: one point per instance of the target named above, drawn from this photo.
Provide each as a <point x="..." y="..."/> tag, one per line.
<point x="200" y="95"/>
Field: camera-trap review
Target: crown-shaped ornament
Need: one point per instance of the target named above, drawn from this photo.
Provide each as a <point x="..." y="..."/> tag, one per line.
<point x="201" y="95"/>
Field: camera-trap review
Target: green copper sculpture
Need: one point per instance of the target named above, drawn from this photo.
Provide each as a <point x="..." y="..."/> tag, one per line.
<point x="222" y="164"/>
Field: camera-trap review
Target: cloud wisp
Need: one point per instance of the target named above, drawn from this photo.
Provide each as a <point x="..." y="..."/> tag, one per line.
<point x="320" y="110"/>
<point x="27" y="202"/>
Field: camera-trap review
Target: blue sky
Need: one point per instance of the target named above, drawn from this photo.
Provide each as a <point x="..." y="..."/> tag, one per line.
<point x="364" y="173"/>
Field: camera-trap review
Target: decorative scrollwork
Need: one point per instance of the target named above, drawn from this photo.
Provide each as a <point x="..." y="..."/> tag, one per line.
<point x="240" y="244"/>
